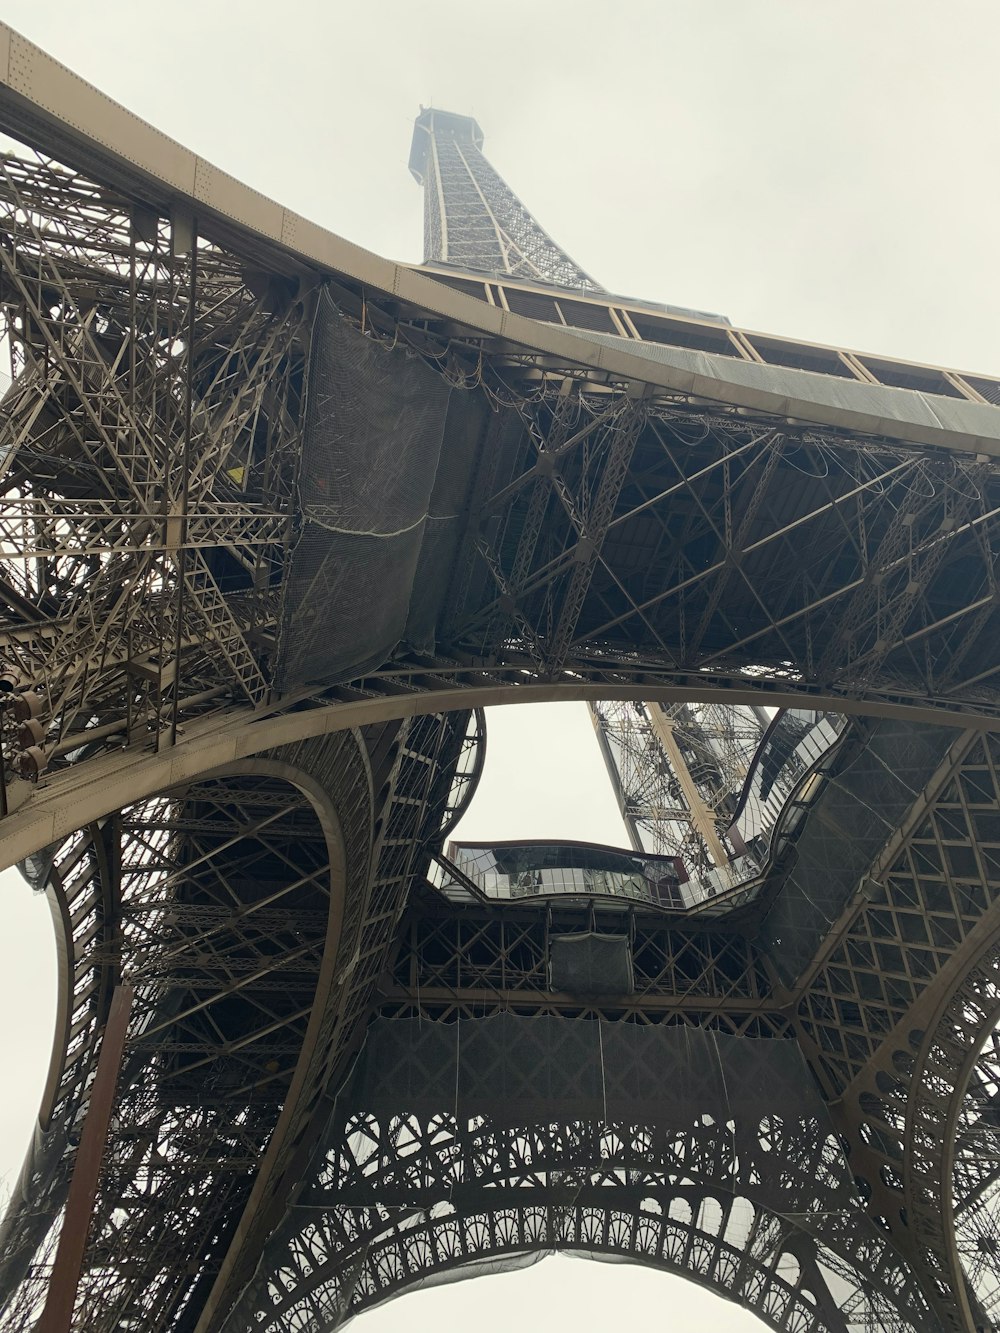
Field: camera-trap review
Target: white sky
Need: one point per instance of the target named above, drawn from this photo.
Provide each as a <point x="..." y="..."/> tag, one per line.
<point x="825" y="170"/>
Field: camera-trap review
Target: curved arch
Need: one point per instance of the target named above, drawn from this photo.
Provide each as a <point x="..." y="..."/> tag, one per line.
<point x="948" y="1055"/>
<point x="67" y="922"/>
<point x="301" y="1086"/>
<point x="647" y="1236"/>
<point x="910" y="1120"/>
<point x="112" y="781"/>
<point x="342" y="958"/>
<point x="132" y="154"/>
<point x="43" y="1191"/>
<point x="408" y="1199"/>
<point x="976" y="1178"/>
<point x="685" y="1201"/>
<point x="80" y="888"/>
<point x="468" y="773"/>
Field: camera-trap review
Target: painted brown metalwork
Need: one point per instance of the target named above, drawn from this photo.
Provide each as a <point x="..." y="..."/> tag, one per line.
<point x="278" y="519"/>
<point x="60" y="1300"/>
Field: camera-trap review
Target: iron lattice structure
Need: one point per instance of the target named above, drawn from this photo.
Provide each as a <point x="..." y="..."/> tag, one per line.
<point x="279" y="518"/>
<point x="681" y="808"/>
<point x="707" y="784"/>
<point x="472" y="218"/>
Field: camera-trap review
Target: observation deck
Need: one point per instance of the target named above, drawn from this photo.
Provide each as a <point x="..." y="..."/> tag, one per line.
<point x="783" y="777"/>
<point x="539" y="869"/>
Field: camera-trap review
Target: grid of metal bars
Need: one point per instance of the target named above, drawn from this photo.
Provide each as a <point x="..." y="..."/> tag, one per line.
<point x="150" y="445"/>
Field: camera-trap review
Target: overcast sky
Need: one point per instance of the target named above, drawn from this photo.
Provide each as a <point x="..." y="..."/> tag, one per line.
<point x="825" y="169"/>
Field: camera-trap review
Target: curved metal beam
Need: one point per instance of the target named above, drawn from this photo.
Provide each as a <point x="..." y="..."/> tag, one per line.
<point x="108" y="783"/>
<point x="441" y="1213"/>
<point x="319" y="799"/>
<point x="949" y="1052"/>
<point x="301" y="1084"/>
<point x="42" y="101"/>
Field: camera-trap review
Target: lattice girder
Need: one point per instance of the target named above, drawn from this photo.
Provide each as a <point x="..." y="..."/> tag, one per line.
<point x="495" y="960"/>
<point x="452" y="969"/>
<point x="409" y="1197"/>
<point x="709" y="513"/>
<point x="148" y="456"/>
<point x="223" y="999"/>
<point x="472" y="218"/>
<point x="229" y="989"/>
<point x="617" y="539"/>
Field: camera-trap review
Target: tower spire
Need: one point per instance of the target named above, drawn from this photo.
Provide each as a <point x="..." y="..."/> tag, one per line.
<point x="472" y="218"/>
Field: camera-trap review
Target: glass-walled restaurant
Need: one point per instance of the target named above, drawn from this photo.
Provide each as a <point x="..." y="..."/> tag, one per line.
<point x="535" y="869"/>
<point x="784" y="776"/>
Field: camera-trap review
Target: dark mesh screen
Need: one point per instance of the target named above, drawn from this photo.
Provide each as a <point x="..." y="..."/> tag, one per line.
<point x="590" y="964"/>
<point x="464" y="426"/>
<point x="379" y="496"/>
<point x="517" y="1069"/>
<point x="460" y="1148"/>
<point x="863" y="802"/>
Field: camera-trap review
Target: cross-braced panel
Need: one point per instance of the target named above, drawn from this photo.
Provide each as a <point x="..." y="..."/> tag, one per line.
<point x="675" y="541"/>
<point x="417" y="771"/>
<point x="976" y="1180"/>
<point x="149" y="450"/>
<point x="751" y="1201"/>
<point x="218" y="917"/>
<point x="455" y="965"/>
<point x="557" y="526"/>
<point x="472" y="218"/>
<point x="920" y="907"/>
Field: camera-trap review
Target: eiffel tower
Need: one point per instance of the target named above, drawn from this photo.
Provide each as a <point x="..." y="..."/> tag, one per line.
<point x="280" y="519"/>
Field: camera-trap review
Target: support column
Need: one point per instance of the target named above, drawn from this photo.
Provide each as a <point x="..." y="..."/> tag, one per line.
<point x="57" y="1316"/>
<point x="701" y="815"/>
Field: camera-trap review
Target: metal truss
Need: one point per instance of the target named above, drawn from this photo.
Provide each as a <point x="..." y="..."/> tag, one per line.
<point x="899" y="1008"/>
<point x="75" y="873"/>
<point x="408" y="1198"/>
<point x="975" y="1185"/>
<point x="420" y="796"/>
<point x="936" y="882"/>
<point x="495" y="960"/>
<point x="867" y="569"/>
<point x="615" y="541"/>
<point x="472" y="218"/>
<point x="422" y="1208"/>
<point x="149" y="447"/>
<point x="215" y="903"/>
<point x="707" y="784"/>
<point x="678" y="771"/>
<point x="225" y="968"/>
<point x="679" y="801"/>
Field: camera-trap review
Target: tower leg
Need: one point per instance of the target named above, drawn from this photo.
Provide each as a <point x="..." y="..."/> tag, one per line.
<point x="58" y="1313"/>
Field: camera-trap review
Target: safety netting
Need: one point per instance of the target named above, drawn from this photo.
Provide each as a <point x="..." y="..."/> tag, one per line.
<point x="518" y="1070"/>
<point x="387" y="457"/>
<point x="879" y="777"/>
<point x="460" y="1149"/>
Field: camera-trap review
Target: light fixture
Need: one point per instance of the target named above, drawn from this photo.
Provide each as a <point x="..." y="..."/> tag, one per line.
<point x="26" y="705"/>
<point x="31" y="732"/>
<point x="31" y="763"/>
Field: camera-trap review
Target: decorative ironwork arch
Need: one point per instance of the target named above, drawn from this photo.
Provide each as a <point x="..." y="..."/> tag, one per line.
<point x="615" y="519"/>
<point x="697" y="1201"/>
